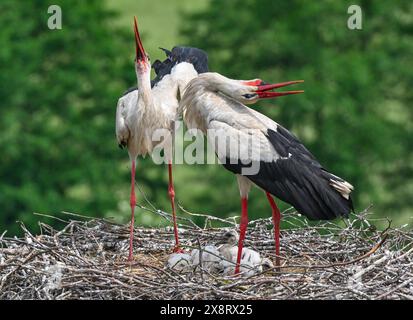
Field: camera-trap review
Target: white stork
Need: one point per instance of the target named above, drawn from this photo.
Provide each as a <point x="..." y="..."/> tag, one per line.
<point x="141" y="112"/>
<point x="287" y="169"/>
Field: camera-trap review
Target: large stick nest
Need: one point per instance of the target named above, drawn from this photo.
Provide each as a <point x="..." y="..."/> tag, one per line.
<point x="87" y="259"/>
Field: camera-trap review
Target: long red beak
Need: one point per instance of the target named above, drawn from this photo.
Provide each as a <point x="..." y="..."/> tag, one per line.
<point x="264" y="92"/>
<point x="140" y="51"/>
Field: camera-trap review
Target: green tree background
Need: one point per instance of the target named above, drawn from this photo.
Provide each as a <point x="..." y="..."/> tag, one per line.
<point x="59" y="91"/>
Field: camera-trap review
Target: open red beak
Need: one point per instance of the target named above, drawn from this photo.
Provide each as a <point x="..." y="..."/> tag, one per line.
<point x="264" y="92"/>
<point x="140" y="51"/>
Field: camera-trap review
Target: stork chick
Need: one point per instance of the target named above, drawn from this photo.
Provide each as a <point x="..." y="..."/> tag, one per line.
<point x="180" y="262"/>
<point x="210" y="259"/>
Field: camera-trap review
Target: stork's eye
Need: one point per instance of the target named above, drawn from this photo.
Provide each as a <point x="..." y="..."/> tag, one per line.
<point x="249" y="95"/>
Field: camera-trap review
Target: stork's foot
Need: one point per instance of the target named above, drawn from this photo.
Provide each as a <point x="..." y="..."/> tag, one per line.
<point x="178" y="249"/>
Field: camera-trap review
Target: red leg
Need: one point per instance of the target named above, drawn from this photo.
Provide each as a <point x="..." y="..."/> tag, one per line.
<point x="171" y="193"/>
<point x="276" y="217"/>
<point x="243" y="229"/>
<point x="132" y="206"/>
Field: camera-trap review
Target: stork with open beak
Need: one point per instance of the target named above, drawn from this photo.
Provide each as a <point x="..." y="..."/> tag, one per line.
<point x="287" y="170"/>
<point x="140" y="112"/>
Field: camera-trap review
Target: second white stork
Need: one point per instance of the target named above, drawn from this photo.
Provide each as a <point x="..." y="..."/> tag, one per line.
<point x="287" y="170"/>
<point x="140" y="112"/>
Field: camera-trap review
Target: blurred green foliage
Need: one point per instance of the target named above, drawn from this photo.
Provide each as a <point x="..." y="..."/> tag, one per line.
<point x="59" y="90"/>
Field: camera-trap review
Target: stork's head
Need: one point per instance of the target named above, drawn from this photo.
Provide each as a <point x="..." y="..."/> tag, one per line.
<point x="248" y="91"/>
<point x="142" y="62"/>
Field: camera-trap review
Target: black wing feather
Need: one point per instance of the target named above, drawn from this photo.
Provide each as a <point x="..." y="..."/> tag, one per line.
<point x="298" y="179"/>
